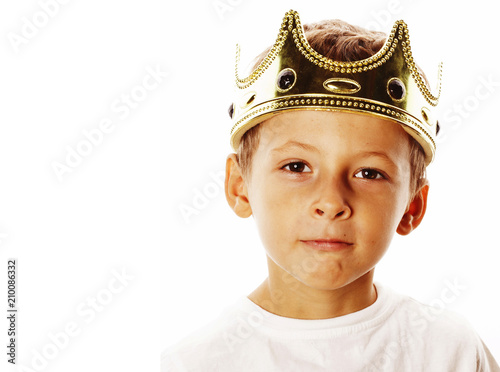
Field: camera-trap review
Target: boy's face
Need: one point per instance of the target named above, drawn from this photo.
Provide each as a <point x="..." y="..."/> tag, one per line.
<point x="327" y="191"/>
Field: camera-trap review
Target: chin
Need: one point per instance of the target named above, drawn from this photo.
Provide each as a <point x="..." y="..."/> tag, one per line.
<point x="327" y="282"/>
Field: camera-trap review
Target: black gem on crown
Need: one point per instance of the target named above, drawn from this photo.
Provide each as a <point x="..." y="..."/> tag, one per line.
<point x="286" y="80"/>
<point x="396" y="89"/>
<point x="231" y="110"/>
<point x="251" y="99"/>
<point x="437" y="128"/>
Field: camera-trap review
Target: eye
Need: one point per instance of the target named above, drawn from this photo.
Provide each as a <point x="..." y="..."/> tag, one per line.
<point x="369" y="174"/>
<point x="297" y="167"/>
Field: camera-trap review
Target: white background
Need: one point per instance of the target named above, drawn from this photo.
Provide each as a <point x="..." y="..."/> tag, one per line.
<point x="210" y="257"/>
<point x="71" y="237"/>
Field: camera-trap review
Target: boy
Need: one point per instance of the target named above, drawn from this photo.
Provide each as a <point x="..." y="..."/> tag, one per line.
<point x="333" y="131"/>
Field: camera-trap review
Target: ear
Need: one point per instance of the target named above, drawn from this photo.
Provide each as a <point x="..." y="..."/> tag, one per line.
<point x="415" y="212"/>
<point x="236" y="189"/>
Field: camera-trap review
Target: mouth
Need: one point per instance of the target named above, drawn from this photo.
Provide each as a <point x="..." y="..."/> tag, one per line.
<point x="327" y="245"/>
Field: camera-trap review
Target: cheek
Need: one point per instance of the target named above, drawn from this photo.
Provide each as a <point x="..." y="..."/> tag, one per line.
<point x="271" y="201"/>
<point x="377" y="220"/>
<point x="276" y="213"/>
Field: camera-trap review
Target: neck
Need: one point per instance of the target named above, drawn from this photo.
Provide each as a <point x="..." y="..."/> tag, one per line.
<point x="286" y="296"/>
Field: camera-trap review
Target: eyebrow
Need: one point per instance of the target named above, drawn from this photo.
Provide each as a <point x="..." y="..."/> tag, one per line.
<point x="295" y="144"/>
<point x="379" y="154"/>
<point x="304" y="146"/>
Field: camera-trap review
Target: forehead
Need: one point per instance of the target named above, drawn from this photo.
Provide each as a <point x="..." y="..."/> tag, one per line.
<point x="333" y="132"/>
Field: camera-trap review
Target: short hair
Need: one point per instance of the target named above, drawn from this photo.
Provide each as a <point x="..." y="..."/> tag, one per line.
<point x="340" y="41"/>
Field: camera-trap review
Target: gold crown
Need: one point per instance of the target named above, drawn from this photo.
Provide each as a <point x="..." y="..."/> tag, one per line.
<point x="293" y="76"/>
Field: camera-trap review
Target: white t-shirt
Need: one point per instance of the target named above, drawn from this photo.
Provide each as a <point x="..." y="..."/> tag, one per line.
<point x="396" y="333"/>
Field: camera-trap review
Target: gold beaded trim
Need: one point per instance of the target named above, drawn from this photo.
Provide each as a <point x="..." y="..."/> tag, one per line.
<point x="433" y="100"/>
<point x="334" y="103"/>
<point x="400" y="28"/>
<point x="366" y="64"/>
<point x="382" y="56"/>
<point x="280" y="40"/>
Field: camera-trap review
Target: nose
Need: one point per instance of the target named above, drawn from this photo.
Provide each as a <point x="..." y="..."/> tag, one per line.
<point x="331" y="202"/>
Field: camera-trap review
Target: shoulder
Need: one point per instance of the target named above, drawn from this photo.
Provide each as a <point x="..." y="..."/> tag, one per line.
<point x="438" y="331"/>
<point x="434" y="319"/>
<point x="207" y="347"/>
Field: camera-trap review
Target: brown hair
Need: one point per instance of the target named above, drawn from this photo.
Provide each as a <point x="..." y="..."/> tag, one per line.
<point x="339" y="41"/>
